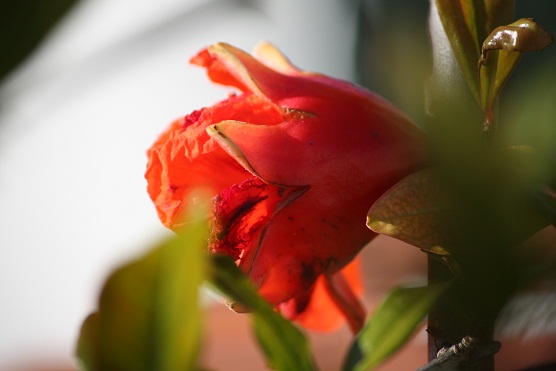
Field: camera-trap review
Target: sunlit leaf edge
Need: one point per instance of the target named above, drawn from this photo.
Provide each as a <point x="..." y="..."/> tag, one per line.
<point x="392" y="325"/>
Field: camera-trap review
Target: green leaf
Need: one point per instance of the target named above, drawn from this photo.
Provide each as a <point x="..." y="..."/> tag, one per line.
<point x="392" y="325"/>
<point x="523" y="35"/>
<point x="285" y="347"/>
<point x="459" y="19"/>
<point x="148" y="314"/>
<point x="531" y="113"/>
<point x="88" y="342"/>
<point x="508" y="43"/>
<point x="434" y="209"/>
<point x="466" y="24"/>
<point x="413" y="211"/>
<point x="532" y="179"/>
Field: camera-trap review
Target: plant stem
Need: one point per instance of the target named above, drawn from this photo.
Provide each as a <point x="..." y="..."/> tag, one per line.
<point x="455" y="316"/>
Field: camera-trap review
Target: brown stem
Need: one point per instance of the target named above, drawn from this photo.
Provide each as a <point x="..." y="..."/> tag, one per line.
<point x="456" y="316"/>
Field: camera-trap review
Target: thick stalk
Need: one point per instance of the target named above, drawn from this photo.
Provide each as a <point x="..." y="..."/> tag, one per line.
<point x="456" y="316"/>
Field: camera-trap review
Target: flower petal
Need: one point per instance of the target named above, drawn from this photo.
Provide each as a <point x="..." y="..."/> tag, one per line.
<point x="295" y="160"/>
<point x="240" y="215"/>
<point x="229" y="65"/>
<point x="317" y="149"/>
<point x="272" y="57"/>
<point x="303" y="241"/>
<point x="230" y="146"/>
<point x="278" y="80"/>
<point x="272" y="149"/>
<point x="182" y="163"/>
<point x="185" y="156"/>
<point x="224" y="67"/>
<point x="318" y="309"/>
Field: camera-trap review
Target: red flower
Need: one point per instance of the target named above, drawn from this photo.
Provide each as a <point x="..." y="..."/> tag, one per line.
<point x="295" y="160"/>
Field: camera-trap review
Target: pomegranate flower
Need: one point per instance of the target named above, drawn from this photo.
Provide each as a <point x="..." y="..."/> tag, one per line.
<point x="295" y="160"/>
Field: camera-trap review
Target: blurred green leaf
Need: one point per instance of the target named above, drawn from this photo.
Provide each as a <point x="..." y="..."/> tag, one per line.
<point x="24" y="24"/>
<point x="148" y="316"/>
<point x="530" y="112"/>
<point x="436" y="209"/>
<point x="284" y="345"/>
<point x="413" y="211"/>
<point x="534" y="174"/>
<point x="88" y="342"/>
<point x="508" y="43"/>
<point x="392" y="325"/>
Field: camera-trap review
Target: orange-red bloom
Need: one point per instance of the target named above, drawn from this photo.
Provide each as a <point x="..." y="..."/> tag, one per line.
<point x="295" y="160"/>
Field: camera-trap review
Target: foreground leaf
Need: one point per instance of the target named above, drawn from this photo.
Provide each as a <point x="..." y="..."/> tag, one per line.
<point x="412" y="211"/>
<point x="87" y="345"/>
<point x="392" y="325"/>
<point x="148" y="316"/>
<point x="284" y="345"/>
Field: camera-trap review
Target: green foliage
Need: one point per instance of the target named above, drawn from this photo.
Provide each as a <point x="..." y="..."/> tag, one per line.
<point x="284" y="345"/>
<point x="508" y="43"/>
<point x="148" y="314"/>
<point x="531" y="121"/>
<point x="467" y="23"/>
<point x="87" y="350"/>
<point x="392" y="325"/>
<point x="413" y="211"/>
<point x="430" y="210"/>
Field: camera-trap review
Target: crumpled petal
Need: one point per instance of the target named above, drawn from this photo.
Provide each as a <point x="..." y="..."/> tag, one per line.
<point x="186" y="157"/>
<point x="296" y="160"/>
<point x="340" y="141"/>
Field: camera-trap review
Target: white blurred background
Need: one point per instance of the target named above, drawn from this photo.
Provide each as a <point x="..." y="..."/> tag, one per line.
<point x="75" y="122"/>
